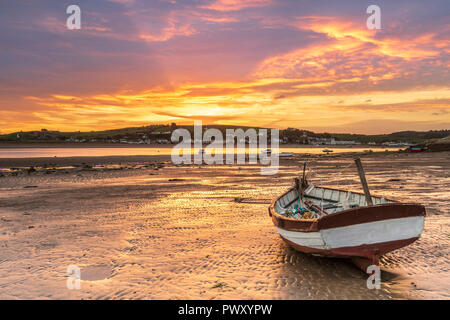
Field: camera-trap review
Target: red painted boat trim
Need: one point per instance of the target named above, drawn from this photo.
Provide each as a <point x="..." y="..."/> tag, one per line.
<point x="368" y="251"/>
<point x="370" y="214"/>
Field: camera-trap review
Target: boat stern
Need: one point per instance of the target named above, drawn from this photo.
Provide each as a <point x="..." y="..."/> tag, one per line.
<point x="370" y="232"/>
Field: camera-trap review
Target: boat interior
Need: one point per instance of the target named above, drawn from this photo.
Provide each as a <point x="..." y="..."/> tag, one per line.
<point x="317" y="201"/>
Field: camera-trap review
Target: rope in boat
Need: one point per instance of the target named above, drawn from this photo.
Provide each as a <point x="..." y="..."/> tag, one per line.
<point x="297" y="208"/>
<point x="340" y="173"/>
<point x="312" y="173"/>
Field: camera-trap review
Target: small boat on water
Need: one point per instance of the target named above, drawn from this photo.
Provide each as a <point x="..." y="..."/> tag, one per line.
<point x="268" y="152"/>
<point x="415" y="149"/>
<point x="337" y="223"/>
<point x="327" y="150"/>
<point x="286" y="154"/>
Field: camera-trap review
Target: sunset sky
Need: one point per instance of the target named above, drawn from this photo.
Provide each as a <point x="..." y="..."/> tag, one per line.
<point x="274" y="63"/>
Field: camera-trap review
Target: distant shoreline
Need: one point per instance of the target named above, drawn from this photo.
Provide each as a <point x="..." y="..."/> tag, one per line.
<point x="133" y="159"/>
<point x="5" y="145"/>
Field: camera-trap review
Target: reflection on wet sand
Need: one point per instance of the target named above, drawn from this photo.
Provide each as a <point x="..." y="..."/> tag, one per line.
<point x="156" y="231"/>
<point x="130" y="151"/>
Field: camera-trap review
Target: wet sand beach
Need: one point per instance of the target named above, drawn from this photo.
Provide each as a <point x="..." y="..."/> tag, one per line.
<point x="139" y="227"/>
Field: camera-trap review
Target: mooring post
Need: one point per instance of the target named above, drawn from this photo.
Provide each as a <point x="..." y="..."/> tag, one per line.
<point x="299" y="185"/>
<point x="304" y="173"/>
<point x="362" y="177"/>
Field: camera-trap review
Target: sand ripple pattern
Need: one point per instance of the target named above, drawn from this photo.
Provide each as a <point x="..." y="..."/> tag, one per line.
<point x="204" y="233"/>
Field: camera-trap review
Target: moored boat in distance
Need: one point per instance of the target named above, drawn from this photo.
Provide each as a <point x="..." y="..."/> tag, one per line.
<point x="327" y="150"/>
<point x="415" y="149"/>
<point x="286" y="154"/>
<point x="337" y="223"/>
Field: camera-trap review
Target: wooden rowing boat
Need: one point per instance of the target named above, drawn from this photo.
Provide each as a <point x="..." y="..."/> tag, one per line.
<point x="340" y="223"/>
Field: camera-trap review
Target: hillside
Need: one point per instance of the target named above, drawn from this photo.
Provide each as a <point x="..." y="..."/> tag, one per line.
<point x="162" y="133"/>
<point x="437" y="144"/>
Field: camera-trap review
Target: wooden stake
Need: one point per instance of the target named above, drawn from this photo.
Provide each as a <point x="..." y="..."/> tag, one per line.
<point x="304" y="171"/>
<point x="362" y="177"/>
<point x="299" y="185"/>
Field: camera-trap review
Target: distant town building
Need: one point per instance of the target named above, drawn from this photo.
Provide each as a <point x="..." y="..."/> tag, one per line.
<point x="343" y="142"/>
<point x="321" y="141"/>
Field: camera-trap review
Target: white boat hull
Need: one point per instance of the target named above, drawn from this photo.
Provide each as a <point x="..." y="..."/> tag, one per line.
<point x="357" y="235"/>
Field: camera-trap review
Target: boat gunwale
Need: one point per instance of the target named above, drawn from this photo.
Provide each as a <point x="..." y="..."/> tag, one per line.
<point x="312" y="225"/>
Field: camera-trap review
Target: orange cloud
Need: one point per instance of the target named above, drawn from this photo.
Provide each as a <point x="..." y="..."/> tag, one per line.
<point x="218" y="19"/>
<point x="234" y="5"/>
<point x="420" y="46"/>
<point x="175" y="27"/>
<point x="351" y="53"/>
<point x="240" y="103"/>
